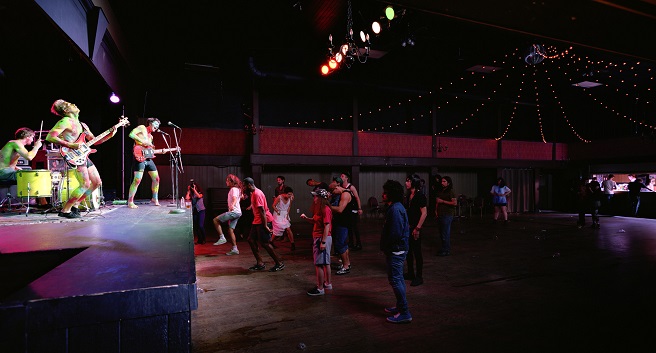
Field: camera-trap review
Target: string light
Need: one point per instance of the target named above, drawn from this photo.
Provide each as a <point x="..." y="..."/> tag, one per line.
<point x="572" y="69"/>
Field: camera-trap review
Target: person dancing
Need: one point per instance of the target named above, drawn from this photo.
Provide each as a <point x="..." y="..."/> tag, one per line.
<point x="232" y="216"/>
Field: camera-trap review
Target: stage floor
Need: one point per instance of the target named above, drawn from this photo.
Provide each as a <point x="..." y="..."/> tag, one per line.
<point x="132" y="263"/>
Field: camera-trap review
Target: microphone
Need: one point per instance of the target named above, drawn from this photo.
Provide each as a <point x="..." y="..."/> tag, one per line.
<point x="176" y="126"/>
<point x="162" y="132"/>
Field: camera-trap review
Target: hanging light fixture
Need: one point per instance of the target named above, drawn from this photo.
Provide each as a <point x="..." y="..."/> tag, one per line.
<point x="349" y="51"/>
<point x="114" y="98"/>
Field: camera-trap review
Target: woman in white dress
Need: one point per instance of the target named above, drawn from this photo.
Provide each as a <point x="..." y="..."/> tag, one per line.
<point x="281" y="221"/>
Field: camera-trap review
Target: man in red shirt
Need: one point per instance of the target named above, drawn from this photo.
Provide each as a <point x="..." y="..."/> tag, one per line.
<point x="261" y="230"/>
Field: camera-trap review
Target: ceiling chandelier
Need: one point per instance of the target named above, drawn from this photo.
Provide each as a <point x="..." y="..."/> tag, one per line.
<point x="349" y="52"/>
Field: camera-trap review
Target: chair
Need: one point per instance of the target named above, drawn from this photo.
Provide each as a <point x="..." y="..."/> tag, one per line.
<point x="374" y="207"/>
<point x="463" y="203"/>
<point x="479" y="202"/>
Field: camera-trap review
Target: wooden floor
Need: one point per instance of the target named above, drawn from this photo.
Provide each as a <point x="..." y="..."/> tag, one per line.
<point x="537" y="284"/>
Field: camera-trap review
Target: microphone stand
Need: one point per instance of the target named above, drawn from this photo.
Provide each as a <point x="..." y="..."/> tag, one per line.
<point x="176" y="170"/>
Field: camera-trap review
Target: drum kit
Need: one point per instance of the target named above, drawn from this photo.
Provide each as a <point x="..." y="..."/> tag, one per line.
<point x="57" y="182"/>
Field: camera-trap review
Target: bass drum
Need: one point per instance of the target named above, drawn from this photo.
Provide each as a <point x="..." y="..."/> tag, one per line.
<point x="93" y="203"/>
<point x="33" y="183"/>
<point x="68" y="180"/>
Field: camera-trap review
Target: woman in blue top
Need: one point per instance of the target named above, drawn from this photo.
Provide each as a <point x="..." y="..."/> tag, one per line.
<point x="499" y="193"/>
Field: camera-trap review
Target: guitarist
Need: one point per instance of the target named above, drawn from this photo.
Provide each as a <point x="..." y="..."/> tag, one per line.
<point x="142" y="136"/>
<point x="71" y="133"/>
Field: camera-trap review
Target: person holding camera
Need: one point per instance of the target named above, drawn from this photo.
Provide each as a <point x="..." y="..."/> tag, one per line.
<point x="195" y="196"/>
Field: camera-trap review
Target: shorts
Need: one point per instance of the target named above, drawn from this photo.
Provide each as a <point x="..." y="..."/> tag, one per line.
<point x="321" y="257"/>
<point x="8" y="174"/>
<point x="147" y="165"/>
<point x="340" y="238"/>
<point x="230" y="217"/>
<point x="259" y="234"/>
<point x="501" y="204"/>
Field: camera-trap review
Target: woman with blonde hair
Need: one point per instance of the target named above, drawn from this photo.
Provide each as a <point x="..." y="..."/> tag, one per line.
<point x="232" y="216"/>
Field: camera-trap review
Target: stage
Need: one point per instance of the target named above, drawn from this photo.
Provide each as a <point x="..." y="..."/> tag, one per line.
<point x="117" y="279"/>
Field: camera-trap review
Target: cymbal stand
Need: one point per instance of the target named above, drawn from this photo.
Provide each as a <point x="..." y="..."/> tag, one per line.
<point x="27" y="210"/>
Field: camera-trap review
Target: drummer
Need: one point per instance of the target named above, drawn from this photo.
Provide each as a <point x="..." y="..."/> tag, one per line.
<point x="67" y="133"/>
<point x="14" y="149"/>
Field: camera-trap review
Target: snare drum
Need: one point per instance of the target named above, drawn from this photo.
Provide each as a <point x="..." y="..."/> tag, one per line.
<point x="36" y="183"/>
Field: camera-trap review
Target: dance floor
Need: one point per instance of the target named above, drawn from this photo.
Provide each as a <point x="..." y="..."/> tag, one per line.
<point x="536" y="284"/>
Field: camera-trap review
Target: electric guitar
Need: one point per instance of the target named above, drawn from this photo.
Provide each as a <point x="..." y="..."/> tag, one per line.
<point x="79" y="156"/>
<point x="141" y="153"/>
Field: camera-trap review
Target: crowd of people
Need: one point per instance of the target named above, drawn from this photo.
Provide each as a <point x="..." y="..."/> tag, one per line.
<point x="335" y="211"/>
<point x="593" y="197"/>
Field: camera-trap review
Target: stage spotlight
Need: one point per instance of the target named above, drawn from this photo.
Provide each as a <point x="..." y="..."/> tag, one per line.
<point x="114" y="98"/>
<point x="363" y="36"/>
<point x="325" y="69"/>
<point x="389" y="12"/>
<point x="332" y="64"/>
<point x="375" y="27"/>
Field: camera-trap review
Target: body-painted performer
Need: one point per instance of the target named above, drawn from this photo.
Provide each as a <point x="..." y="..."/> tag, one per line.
<point x="16" y="148"/>
<point x="74" y="139"/>
<point x="144" y="154"/>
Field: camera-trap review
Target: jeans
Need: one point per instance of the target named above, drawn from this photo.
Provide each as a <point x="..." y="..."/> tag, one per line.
<point x="444" y="223"/>
<point x="415" y="254"/>
<point x="395" y="278"/>
<point x="199" y="225"/>
<point x="635" y="205"/>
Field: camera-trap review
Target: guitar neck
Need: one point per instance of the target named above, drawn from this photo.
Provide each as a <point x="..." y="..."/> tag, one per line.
<point x="164" y="150"/>
<point x="101" y="136"/>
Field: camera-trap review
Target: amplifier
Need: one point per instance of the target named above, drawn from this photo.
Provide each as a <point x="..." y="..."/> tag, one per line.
<point x="22" y="162"/>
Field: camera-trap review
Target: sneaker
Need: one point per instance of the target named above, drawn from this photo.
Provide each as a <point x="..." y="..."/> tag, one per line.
<point x="257" y="267"/>
<point x="344" y="270"/>
<point x="221" y="240"/>
<point x="316" y="291"/>
<point x="392" y="310"/>
<point x="75" y="210"/>
<point x="399" y="318"/>
<point x="69" y="215"/>
<point x="233" y="252"/>
<point x="327" y="286"/>
<point x="277" y="267"/>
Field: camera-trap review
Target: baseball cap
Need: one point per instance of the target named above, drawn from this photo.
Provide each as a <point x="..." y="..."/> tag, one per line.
<point x="248" y="181"/>
<point x="321" y="193"/>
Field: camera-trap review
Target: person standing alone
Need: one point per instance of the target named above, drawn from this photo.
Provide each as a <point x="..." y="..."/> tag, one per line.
<point x="394" y="244"/>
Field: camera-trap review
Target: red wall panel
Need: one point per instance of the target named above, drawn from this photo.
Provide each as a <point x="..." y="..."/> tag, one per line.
<point x="393" y="145"/>
<point x="526" y="150"/>
<point x="467" y="148"/>
<point x="209" y="141"/>
<point x="305" y="142"/>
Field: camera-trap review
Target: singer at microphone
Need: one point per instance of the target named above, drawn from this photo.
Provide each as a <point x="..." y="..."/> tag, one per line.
<point x="175" y="126"/>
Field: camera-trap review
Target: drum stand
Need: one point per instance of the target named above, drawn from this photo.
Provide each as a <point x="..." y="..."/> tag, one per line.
<point x="54" y="199"/>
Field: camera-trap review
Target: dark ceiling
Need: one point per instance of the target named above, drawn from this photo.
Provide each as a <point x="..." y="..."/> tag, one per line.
<point x="215" y="52"/>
